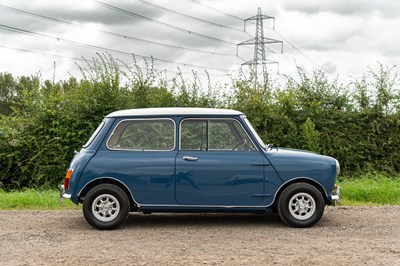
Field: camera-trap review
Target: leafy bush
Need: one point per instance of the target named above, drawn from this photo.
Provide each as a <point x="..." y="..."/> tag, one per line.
<point x="42" y="123"/>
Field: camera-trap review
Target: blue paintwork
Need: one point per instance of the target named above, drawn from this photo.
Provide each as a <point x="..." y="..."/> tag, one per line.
<point x="219" y="178"/>
<point x="149" y="175"/>
<point x="291" y="164"/>
<point x="216" y="181"/>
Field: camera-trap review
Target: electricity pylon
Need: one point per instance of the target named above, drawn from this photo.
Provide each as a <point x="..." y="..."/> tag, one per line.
<point x="259" y="42"/>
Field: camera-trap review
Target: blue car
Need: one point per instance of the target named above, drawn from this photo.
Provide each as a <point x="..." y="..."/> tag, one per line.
<point x="194" y="160"/>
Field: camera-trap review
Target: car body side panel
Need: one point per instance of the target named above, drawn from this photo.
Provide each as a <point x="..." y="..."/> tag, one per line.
<point x="148" y="175"/>
<point x="219" y="178"/>
<point x="293" y="164"/>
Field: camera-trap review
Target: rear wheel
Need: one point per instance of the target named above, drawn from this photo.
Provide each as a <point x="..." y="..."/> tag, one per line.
<point x="301" y="205"/>
<point x="106" y="207"/>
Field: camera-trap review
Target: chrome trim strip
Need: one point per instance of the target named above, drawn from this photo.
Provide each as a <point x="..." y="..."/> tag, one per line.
<point x="201" y="206"/>
<point x="253" y="131"/>
<point x="233" y="206"/>
<point x="261" y="195"/>
<point x="141" y="119"/>
<point x="296" y="178"/>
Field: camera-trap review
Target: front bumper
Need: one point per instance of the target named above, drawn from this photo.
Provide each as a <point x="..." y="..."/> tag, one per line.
<point x="335" y="197"/>
<point x="64" y="195"/>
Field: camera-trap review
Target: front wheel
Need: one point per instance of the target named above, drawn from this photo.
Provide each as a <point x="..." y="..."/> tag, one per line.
<point x="106" y="207"/>
<point x="301" y="205"/>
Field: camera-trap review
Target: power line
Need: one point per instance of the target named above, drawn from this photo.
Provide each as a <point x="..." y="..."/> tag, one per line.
<point x="294" y="47"/>
<point x="129" y="13"/>
<point x="95" y="47"/>
<point x="192" y="17"/>
<point x="108" y="32"/>
<point x="92" y="61"/>
<point x="219" y="11"/>
<point x="42" y="53"/>
<point x="241" y="19"/>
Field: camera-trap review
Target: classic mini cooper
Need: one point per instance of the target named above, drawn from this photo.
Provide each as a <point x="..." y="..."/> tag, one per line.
<point x="194" y="160"/>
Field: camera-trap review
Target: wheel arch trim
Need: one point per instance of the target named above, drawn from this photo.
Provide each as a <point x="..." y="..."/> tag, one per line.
<point x="100" y="180"/>
<point x="308" y="180"/>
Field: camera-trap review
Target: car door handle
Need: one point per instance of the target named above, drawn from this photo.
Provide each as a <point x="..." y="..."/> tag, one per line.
<point x="189" y="158"/>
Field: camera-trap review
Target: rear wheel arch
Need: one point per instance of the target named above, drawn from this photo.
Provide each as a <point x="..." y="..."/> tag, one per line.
<point x="106" y="206"/>
<point x="108" y="180"/>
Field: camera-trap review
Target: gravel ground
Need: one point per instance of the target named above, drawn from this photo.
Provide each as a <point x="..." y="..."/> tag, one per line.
<point x="344" y="236"/>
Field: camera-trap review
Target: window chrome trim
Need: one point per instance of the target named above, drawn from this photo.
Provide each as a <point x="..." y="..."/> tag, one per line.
<point x="213" y="119"/>
<point x="141" y="119"/>
<point x="254" y="132"/>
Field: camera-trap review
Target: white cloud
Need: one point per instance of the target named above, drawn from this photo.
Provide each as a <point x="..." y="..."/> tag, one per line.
<point x="342" y="37"/>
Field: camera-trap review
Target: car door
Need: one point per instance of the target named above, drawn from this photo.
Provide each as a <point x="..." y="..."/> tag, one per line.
<point x="217" y="165"/>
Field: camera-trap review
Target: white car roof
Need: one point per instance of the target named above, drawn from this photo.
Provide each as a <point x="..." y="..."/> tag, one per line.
<point x="173" y="111"/>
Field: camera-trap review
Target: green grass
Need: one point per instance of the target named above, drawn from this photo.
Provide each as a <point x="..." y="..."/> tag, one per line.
<point x="34" y="199"/>
<point x="370" y="189"/>
<point x="366" y="190"/>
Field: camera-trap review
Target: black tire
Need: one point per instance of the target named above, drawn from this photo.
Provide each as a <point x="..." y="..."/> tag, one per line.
<point x="106" y="207"/>
<point x="301" y="205"/>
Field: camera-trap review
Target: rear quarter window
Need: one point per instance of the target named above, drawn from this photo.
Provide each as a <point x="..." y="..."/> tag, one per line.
<point x="143" y="135"/>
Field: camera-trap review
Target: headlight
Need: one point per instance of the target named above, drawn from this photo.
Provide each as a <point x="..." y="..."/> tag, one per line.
<point x="337" y="168"/>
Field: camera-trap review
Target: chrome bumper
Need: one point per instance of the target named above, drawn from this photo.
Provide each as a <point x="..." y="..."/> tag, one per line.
<point x="335" y="197"/>
<point x="63" y="195"/>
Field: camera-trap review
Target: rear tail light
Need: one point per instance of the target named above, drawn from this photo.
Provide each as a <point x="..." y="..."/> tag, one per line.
<point x="67" y="179"/>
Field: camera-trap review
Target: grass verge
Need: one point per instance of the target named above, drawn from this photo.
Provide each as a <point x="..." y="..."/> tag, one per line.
<point x="367" y="190"/>
<point x="34" y="199"/>
<point x="370" y="189"/>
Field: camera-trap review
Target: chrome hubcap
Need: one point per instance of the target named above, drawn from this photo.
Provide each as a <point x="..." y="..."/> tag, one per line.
<point x="105" y="208"/>
<point x="302" y="206"/>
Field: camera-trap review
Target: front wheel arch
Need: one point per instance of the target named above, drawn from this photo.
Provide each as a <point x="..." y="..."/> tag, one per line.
<point x="299" y="180"/>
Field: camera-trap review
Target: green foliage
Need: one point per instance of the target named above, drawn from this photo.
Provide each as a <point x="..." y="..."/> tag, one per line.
<point x="8" y="93"/>
<point x="34" y="199"/>
<point x="42" y="122"/>
<point x="371" y="189"/>
<point x="51" y="120"/>
<point x="310" y="135"/>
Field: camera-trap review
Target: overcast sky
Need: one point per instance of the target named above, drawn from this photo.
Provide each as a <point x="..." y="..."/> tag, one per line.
<point x="341" y="37"/>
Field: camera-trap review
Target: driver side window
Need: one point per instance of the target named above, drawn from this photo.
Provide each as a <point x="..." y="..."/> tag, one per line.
<point x="214" y="135"/>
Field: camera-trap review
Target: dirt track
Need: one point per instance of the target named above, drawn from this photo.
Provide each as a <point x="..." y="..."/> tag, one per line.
<point x="344" y="236"/>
